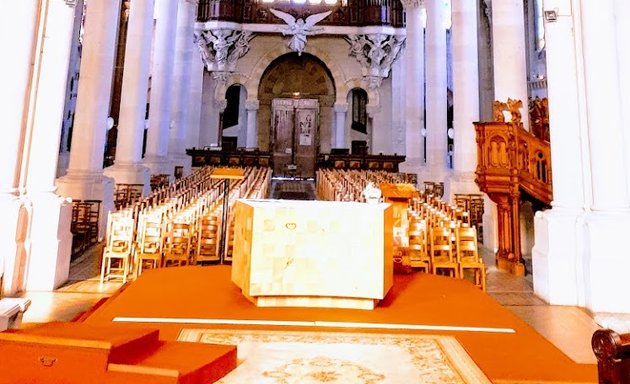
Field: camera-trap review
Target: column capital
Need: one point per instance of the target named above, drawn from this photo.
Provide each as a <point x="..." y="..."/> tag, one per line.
<point x="407" y="4"/>
<point x="252" y="105"/>
<point x="221" y="48"/>
<point x="376" y="52"/>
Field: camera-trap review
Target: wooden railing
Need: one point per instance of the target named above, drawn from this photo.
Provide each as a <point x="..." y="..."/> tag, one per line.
<point x="355" y="13"/>
<point x="512" y="163"/>
<point x="612" y="350"/>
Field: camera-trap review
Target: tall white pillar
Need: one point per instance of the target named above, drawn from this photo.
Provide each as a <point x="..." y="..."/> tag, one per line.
<point x="85" y="179"/>
<point x="509" y="51"/>
<point x="436" y="78"/>
<point x="72" y="85"/>
<point x="341" y="112"/>
<point x="465" y="95"/>
<point x="196" y="95"/>
<point x="49" y="234"/>
<point x="252" y="107"/>
<point x="414" y="91"/>
<point x="127" y="168"/>
<point x="558" y="253"/>
<point x="181" y="82"/>
<point x="160" y="109"/>
<point x="18" y="29"/>
<point x="607" y="224"/>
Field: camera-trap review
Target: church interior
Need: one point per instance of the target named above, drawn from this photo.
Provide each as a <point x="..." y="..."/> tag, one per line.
<point x="315" y="191"/>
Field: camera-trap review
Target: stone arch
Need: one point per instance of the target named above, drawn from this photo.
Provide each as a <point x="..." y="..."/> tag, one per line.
<point x="341" y="83"/>
<point x="374" y="97"/>
<point x="232" y="79"/>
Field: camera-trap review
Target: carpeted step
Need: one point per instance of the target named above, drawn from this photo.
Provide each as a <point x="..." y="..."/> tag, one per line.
<point x="113" y="353"/>
<point x="179" y="362"/>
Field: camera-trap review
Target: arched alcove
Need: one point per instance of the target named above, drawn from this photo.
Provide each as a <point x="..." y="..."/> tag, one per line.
<point x="297" y="77"/>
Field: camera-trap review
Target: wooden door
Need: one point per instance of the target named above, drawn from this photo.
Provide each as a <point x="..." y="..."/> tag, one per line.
<point x="295" y="136"/>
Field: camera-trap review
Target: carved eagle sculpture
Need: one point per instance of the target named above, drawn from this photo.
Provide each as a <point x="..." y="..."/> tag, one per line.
<point x="299" y="28"/>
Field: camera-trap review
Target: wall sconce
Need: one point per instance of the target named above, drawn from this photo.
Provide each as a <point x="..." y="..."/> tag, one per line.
<point x="551" y="15"/>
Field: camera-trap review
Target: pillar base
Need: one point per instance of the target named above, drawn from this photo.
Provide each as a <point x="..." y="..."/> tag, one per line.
<point x="461" y="182"/>
<point x="606" y="264"/>
<point x="182" y="160"/>
<point x="12" y="244"/>
<point x="158" y="165"/>
<point x="81" y="185"/>
<point x="51" y="242"/>
<point x="133" y="173"/>
<point x="557" y="256"/>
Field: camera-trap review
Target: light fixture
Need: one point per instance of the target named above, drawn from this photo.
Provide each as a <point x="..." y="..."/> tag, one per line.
<point x="551" y="15"/>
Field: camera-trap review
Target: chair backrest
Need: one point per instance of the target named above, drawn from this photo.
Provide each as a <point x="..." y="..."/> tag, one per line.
<point x="441" y="243"/>
<point x="120" y="232"/>
<point x="466" y="238"/>
<point x="151" y="234"/>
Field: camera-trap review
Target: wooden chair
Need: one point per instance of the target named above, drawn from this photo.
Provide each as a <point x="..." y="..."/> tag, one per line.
<point x="178" y="244"/>
<point x="418" y="254"/>
<point x="150" y="243"/>
<point x="441" y="252"/>
<point x="118" y="250"/>
<point x="468" y="256"/>
<point x="207" y="239"/>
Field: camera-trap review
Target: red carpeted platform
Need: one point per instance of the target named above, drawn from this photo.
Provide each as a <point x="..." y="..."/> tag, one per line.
<point x="188" y="296"/>
<point x="112" y="353"/>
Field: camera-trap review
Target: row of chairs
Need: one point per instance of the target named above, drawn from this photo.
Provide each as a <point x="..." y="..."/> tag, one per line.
<point x="448" y="247"/>
<point x="181" y="230"/>
<point x="348" y="185"/>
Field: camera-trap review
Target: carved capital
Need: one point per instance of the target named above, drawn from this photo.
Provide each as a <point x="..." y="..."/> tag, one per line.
<point x="376" y="53"/>
<point x="407" y="4"/>
<point x="252" y="105"/>
<point x="221" y="48"/>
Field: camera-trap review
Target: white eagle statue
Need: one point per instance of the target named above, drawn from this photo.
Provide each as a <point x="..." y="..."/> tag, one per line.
<point x="300" y="28"/>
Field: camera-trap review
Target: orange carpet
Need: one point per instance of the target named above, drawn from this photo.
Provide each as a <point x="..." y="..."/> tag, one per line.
<point x="208" y="293"/>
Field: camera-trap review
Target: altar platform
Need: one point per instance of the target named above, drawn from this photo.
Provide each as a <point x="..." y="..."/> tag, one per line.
<point x="193" y="297"/>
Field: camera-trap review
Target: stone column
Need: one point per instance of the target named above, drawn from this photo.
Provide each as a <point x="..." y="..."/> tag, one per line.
<point x="414" y="90"/>
<point x="509" y="48"/>
<point x="607" y="223"/>
<point x="465" y="95"/>
<point x="127" y="168"/>
<point x="18" y="43"/>
<point x="85" y="179"/>
<point x="72" y="85"/>
<point x="196" y="95"/>
<point x="252" y="123"/>
<point x="50" y="237"/>
<point x="558" y="255"/>
<point x="436" y="79"/>
<point x="181" y="82"/>
<point x="160" y="112"/>
<point x="341" y="113"/>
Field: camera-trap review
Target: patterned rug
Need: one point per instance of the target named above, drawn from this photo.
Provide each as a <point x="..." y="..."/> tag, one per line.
<point x="266" y="357"/>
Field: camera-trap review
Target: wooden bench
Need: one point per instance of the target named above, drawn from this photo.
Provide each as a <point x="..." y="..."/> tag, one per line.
<point x="613" y="356"/>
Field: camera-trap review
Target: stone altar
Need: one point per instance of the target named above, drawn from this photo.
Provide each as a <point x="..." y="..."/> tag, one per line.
<point x="313" y="253"/>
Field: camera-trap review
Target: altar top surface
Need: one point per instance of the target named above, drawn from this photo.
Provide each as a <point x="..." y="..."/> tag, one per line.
<point x="313" y="203"/>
